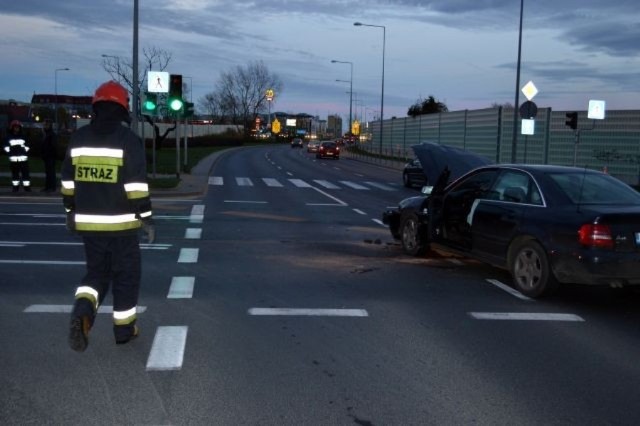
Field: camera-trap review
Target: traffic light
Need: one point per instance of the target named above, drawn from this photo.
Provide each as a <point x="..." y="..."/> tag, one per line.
<point x="150" y="103"/>
<point x="188" y="109"/>
<point x="175" y="92"/>
<point x="572" y="120"/>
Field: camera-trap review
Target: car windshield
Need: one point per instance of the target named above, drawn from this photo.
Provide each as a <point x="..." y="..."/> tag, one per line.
<point x="589" y="188"/>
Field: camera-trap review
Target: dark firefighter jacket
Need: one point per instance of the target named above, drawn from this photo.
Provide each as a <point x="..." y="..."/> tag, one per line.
<point x="104" y="179"/>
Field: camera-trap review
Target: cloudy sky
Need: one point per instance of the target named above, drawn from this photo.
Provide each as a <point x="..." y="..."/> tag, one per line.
<point x="463" y="52"/>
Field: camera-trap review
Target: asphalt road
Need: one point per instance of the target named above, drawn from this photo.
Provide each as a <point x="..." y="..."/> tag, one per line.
<point x="278" y="298"/>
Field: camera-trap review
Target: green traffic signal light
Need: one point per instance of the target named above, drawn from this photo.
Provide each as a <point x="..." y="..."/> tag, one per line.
<point x="175" y="104"/>
<point x="150" y="102"/>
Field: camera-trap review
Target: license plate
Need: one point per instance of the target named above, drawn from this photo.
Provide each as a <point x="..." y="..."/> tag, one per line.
<point x="638" y="238"/>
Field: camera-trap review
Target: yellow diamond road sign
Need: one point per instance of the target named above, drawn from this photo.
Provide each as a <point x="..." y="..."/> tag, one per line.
<point x="530" y="90"/>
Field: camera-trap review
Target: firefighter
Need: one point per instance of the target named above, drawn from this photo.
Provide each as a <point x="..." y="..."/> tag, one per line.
<point x="106" y="197"/>
<point x="18" y="151"/>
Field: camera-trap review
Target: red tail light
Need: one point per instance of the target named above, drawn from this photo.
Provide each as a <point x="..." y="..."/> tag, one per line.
<point x="595" y="235"/>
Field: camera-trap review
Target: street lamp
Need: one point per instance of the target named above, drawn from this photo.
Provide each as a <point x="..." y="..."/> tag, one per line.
<point x="384" y="36"/>
<point x="55" y="110"/>
<point x="333" y="61"/>
<point x="514" y="141"/>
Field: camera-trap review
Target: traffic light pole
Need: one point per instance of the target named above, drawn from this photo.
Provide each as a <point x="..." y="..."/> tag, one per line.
<point x="575" y="147"/>
<point x="177" y="148"/>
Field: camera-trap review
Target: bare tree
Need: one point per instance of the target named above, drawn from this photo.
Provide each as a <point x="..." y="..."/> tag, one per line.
<point x="240" y="94"/>
<point x="121" y="69"/>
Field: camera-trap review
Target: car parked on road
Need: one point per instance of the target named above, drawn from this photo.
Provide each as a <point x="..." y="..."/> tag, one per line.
<point x="313" y="145"/>
<point x="296" y="143"/>
<point x="413" y="175"/>
<point x="546" y="224"/>
<point x="328" y="149"/>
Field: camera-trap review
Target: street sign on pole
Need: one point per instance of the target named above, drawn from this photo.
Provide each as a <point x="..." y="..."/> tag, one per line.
<point x="530" y="90"/>
<point x="528" y="127"/>
<point x="528" y="110"/>
<point x="157" y="82"/>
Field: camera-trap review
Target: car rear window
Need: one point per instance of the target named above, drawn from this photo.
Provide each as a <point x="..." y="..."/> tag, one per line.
<point x="588" y="188"/>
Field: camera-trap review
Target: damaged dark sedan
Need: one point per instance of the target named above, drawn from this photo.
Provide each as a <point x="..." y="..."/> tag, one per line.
<point x="545" y="224"/>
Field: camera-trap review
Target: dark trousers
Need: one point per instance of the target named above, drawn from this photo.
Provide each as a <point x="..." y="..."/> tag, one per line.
<point x="50" y="173"/>
<point x="116" y="262"/>
<point x="20" y="173"/>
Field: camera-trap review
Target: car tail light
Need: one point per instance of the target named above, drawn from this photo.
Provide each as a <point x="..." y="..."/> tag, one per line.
<point x="595" y="235"/>
<point x="337" y="148"/>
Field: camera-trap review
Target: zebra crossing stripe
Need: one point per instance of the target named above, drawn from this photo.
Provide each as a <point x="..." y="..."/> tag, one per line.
<point x="167" y="350"/>
<point x="326" y="184"/>
<point x="272" y="182"/>
<point x="216" y="180"/>
<point x="300" y="183"/>
<point x="353" y="185"/>
<point x="380" y="186"/>
<point x="244" y="181"/>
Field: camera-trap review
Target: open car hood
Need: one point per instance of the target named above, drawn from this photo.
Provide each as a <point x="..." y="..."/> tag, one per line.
<point x="442" y="164"/>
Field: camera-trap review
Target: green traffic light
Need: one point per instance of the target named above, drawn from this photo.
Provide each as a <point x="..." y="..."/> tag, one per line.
<point x="175" y="104"/>
<point x="149" y="105"/>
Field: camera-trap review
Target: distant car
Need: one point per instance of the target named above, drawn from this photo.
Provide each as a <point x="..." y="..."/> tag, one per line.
<point x="545" y="224"/>
<point x="413" y="175"/>
<point x="312" y="146"/>
<point x="296" y="143"/>
<point x="328" y="149"/>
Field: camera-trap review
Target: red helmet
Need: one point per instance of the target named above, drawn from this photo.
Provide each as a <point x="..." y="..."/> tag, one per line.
<point x="15" y="123"/>
<point x="112" y="91"/>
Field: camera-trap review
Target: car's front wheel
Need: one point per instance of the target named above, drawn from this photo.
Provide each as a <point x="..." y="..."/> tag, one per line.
<point x="531" y="270"/>
<point x="413" y="242"/>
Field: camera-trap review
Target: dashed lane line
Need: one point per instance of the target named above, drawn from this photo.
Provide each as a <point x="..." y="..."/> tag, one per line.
<point x="308" y="312"/>
<point x="526" y="316"/>
<point x="509" y="290"/>
<point x="167" y="350"/>
<point x="188" y="255"/>
<point x="181" y="288"/>
<point x="66" y="309"/>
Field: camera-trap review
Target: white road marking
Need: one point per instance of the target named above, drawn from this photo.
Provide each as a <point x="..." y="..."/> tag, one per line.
<point x="244" y="181"/>
<point x="454" y="261"/>
<point x="326" y="184"/>
<point x="197" y="213"/>
<point x="41" y="262"/>
<point x="337" y="200"/>
<point x="309" y="312"/>
<point x="193" y="233"/>
<point x="66" y="309"/>
<point x="167" y="350"/>
<point x="244" y="201"/>
<point x="188" y="255"/>
<point x="509" y="290"/>
<point x="181" y="288"/>
<point x="272" y="182"/>
<point x="380" y="186"/>
<point x="379" y="222"/>
<point x="353" y="185"/>
<point x="359" y="212"/>
<point x="31" y="224"/>
<point x="290" y="174"/>
<point x="525" y="316"/>
<point x="300" y="183"/>
<point x="216" y="180"/>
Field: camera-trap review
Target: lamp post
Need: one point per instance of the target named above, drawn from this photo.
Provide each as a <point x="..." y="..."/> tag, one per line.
<point x="514" y="141"/>
<point x="55" y="109"/>
<point x="384" y="36"/>
<point x="333" y="61"/>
